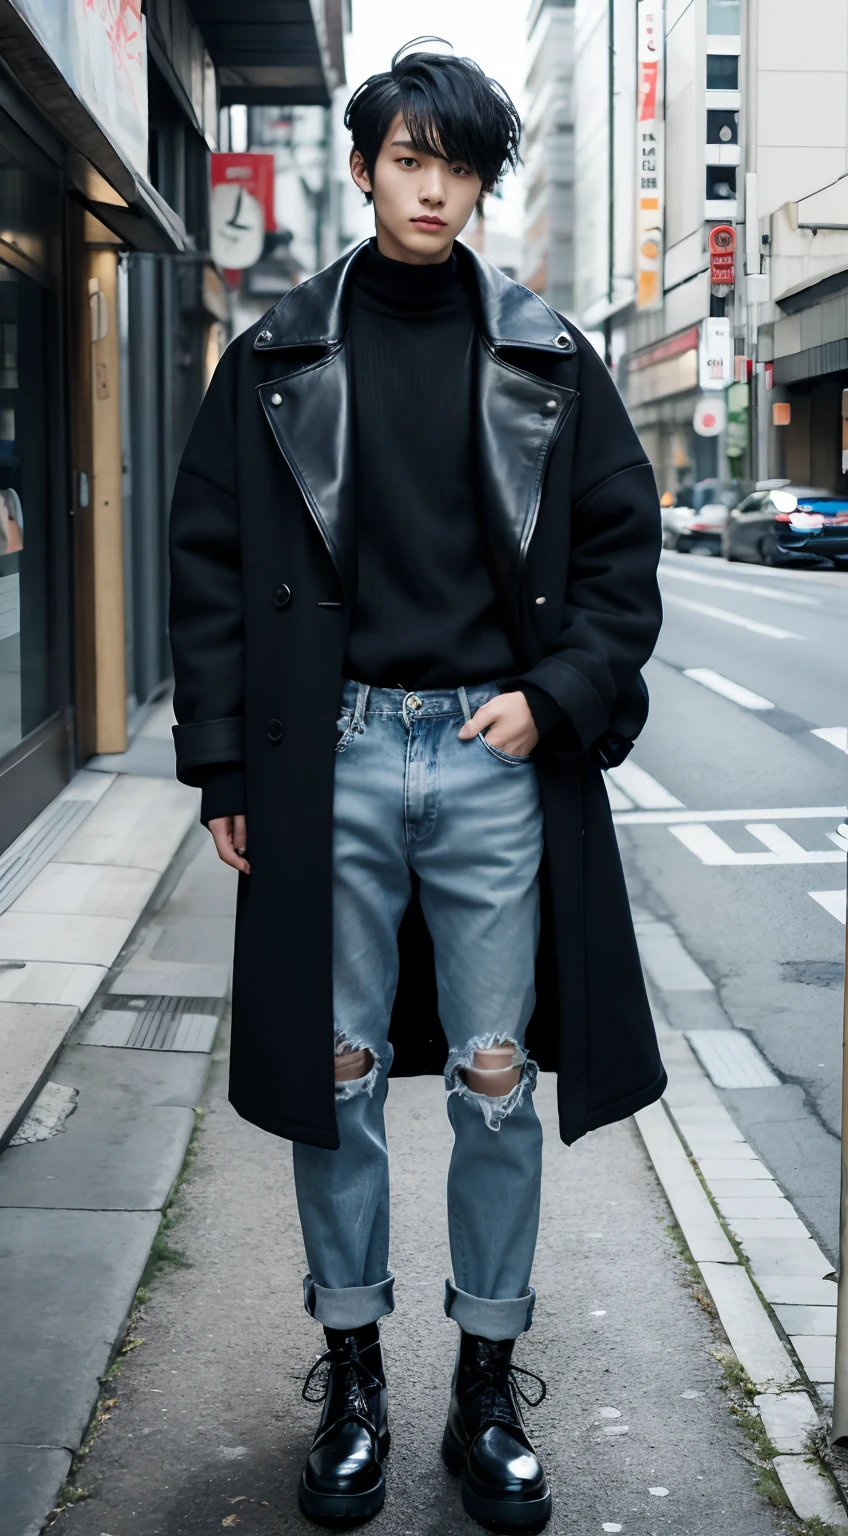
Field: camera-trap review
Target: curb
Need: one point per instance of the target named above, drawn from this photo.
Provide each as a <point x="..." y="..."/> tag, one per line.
<point x="690" y="1127"/>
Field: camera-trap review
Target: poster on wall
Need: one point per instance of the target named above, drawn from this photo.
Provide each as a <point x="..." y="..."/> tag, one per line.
<point x="649" y="154"/>
<point x="100" y="46"/>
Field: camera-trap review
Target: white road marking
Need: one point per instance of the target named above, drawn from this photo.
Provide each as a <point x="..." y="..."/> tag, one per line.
<point x="641" y="789"/>
<point x="840" y="837"/>
<point x="727" y="688"/>
<point x="731" y="1059"/>
<point x="832" y="901"/>
<point x="732" y="618"/>
<point x="775" y="813"/>
<point x="713" y="850"/>
<point x="836" y="735"/>
<point x="741" y="586"/>
<point x="617" y="800"/>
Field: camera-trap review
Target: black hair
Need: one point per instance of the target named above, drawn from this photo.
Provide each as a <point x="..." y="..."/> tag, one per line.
<point x="450" y="107"/>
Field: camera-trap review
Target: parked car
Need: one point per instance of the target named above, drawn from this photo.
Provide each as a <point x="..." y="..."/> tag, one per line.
<point x="694" y="520"/>
<point x="788" y="525"/>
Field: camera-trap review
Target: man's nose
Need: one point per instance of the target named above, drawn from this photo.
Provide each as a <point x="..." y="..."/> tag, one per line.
<point x="433" y="188"/>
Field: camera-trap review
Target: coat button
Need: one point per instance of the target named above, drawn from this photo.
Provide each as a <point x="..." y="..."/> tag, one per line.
<point x="551" y="406"/>
<point x="539" y="601"/>
<point x="562" y="340"/>
<point x="282" y="596"/>
<point x="276" y="399"/>
<point x="264" y="336"/>
<point x="275" y="730"/>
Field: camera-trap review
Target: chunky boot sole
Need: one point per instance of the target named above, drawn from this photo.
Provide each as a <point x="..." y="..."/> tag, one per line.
<point x="344" y="1508"/>
<point x="495" y="1514"/>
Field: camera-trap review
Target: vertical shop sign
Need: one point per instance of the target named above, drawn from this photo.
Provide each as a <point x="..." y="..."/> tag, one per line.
<point x="650" y="176"/>
<point x="242" y="208"/>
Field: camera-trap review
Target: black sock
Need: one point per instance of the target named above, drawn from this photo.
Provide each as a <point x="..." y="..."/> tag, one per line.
<point x="366" y="1336"/>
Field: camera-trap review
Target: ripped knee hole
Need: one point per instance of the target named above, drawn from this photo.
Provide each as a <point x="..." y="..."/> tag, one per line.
<point x="493" y="1070"/>
<point x="351" y="1065"/>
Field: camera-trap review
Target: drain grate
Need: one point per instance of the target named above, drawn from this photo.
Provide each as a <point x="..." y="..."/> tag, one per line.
<point x="157" y="1023"/>
<point x="24" y="860"/>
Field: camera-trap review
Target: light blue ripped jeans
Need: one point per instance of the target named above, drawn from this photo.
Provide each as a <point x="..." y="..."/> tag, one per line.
<point x="466" y="818"/>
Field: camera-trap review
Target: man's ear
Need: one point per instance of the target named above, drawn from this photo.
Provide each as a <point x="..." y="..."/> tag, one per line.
<point x="359" y="172"/>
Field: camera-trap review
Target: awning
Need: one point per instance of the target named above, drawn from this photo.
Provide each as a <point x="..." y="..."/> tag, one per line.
<point x="273" y="52"/>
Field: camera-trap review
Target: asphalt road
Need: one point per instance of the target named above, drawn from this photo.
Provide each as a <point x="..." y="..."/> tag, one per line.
<point x="761" y="911"/>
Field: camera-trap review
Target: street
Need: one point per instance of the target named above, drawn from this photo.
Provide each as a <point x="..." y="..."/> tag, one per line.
<point x="758" y="899"/>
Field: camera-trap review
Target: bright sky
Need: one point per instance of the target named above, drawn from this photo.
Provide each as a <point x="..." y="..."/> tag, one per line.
<point x="490" y="31"/>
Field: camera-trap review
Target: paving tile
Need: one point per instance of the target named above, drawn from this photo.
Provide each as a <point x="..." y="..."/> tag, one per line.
<point x="817" y="1354"/>
<point x="741" y="1189"/>
<point x="45" y="936"/>
<point x="766" y="1205"/>
<point x="68" y="1279"/>
<point x="30" y="1036"/>
<point x="710" y="1134"/>
<point x="790" y="1257"/>
<point x="797" y="1290"/>
<point x="788" y="1418"/>
<point x="808" y="1320"/>
<point x="709" y="1150"/>
<point x="171" y="979"/>
<point x="747" y="1325"/>
<point x="194" y="940"/>
<point x="139" y="822"/>
<point x="95" y="890"/>
<point x="732" y="1168"/>
<point x="29" y="1477"/>
<point x="824" y="1390"/>
<point x="706" y="1115"/>
<point x="810" y="1493"/>
<point x="45" y="981"/>
<point x="752" y="1229"/>
<point x="123" y="1146"/>
<point x="86" y="785"/>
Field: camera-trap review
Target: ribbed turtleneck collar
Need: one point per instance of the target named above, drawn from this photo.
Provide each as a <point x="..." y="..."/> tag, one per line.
<point x="401" y="288"/>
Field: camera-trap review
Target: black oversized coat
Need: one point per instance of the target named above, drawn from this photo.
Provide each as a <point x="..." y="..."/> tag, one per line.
<point x="263" y="573"/>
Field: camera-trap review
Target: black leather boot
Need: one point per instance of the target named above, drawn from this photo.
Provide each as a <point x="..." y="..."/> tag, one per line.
<point x="343" y="1477"/>
<point x="503" y="1482"/>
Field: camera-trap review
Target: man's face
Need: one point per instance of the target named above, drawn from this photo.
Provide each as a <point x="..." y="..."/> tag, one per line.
<point x="421" y="203"/>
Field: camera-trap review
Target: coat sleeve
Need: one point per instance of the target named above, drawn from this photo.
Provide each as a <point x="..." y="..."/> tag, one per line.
<point x="612" y="611"/>
<point x="206" y="609"/>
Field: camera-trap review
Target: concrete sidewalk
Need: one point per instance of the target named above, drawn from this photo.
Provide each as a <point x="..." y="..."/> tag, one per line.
<point x="207" y="1428"/>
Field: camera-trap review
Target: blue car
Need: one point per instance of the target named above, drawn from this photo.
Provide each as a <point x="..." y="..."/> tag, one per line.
<point x="788" y="525"/>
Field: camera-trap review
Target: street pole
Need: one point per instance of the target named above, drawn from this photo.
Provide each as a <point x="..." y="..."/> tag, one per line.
<point x="839" y="1431"/>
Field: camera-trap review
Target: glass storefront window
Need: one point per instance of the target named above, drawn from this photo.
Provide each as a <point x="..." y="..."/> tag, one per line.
<point x="26" y="644"/>
<point x="723" y="18"/>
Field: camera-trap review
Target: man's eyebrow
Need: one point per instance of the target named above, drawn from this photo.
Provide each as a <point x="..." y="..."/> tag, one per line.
<point x="402" y="144"/>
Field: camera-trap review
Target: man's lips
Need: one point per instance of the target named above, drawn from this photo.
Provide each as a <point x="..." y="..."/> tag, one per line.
<point x="429" y="222"/>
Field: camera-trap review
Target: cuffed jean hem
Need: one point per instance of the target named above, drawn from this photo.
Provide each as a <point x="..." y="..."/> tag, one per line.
<point x="486" y="1318"/>
<point x="351" y="1306"/>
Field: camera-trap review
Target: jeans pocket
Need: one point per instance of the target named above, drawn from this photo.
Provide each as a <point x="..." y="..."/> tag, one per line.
<point x="505" y="757"/>
<point x="344" y="724"/>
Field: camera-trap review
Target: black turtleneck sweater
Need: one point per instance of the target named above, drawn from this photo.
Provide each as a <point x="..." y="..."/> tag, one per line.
<point x="427" y="612"/>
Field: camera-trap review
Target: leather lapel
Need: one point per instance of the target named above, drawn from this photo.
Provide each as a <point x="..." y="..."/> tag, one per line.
<point x="519" y="418"/>
<point x="309" y="414"/>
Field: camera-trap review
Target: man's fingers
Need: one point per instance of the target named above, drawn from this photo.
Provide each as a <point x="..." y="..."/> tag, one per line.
<point x="240" y="834"/>
<point x="483" y="717"/>
<point x="222" y="830"/>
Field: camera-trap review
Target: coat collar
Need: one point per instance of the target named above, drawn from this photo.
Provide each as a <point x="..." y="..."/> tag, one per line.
<point x="314" y="313"/>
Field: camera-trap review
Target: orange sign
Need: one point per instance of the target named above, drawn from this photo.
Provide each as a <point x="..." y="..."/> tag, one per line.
<point x="649" y="150"/>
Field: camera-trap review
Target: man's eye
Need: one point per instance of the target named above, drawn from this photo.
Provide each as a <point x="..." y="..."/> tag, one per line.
<point x="460" y="170"/>
<point x="408" y="160"/>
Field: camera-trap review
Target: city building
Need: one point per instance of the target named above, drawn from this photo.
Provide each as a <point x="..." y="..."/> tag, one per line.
<point x="749" y="132"/>
<point x="112" y="317"/>
<point x="548" y="152"/>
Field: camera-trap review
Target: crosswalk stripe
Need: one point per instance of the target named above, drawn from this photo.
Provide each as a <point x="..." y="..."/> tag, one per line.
<point x="727" y="688"/>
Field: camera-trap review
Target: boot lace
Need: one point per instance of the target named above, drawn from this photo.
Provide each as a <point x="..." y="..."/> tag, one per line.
<point x="358" y="1378"/>
<point x="502" y="1386"/>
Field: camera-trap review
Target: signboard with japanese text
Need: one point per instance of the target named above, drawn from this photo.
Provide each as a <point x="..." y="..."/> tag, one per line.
<point x="649" y="154"/>
<point x="242" y="208"/>
<point x="100" y="46"/>
<point x="715" y="353"/>
<point x="722" y="257"/>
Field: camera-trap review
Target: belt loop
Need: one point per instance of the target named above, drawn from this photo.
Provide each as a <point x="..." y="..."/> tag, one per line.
<point x="358" y="722"/>
<point x="466" y="707"/>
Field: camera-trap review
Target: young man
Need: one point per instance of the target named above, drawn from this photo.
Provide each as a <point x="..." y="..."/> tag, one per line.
<point x="414" y="551"/>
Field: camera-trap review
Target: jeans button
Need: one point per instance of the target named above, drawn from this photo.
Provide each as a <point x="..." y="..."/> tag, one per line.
<point x="414" y="702"/>
<point x="275" y="730"/>
<point x="282" y="596"/>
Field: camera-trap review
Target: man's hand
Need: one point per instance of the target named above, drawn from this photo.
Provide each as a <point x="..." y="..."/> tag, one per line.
<point x="508" y="723"/>
<point x="230" y="834"/>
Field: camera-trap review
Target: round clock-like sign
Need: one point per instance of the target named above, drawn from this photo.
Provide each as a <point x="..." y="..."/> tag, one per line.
<point x="237" y="226"/>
